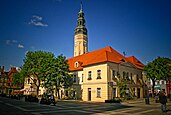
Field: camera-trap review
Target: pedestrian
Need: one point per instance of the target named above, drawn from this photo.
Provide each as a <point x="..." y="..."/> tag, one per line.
<point x="52" y="99"/>
<point x="156" y="98"/>
<point x="163" y="100"/>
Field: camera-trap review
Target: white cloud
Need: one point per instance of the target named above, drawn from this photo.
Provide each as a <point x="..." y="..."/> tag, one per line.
<point x="20" y="46"/>
<point x="37" y="17"/>
<point x="8" y="42"/>
<point x="11" y="42"/>
<point x="14" y="43"/>
<point x="37" y="21"/>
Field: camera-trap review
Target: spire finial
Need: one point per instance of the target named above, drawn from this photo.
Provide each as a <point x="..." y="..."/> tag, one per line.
<point x="81" y="6"/>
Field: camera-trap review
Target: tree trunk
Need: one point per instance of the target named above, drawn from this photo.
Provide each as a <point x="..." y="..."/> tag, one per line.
<point x="37" y="90"/>
<point x="58" y="93"/>
<point x="153" y="87"/>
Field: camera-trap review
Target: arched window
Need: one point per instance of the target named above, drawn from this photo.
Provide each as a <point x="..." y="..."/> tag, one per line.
<point x="76" y="64"/>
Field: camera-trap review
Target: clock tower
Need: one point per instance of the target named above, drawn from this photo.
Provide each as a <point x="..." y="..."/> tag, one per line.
<point x="80" y="36"/>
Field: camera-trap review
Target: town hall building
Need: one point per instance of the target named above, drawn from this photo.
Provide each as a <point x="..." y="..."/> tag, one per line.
<point x="98" y="74"/>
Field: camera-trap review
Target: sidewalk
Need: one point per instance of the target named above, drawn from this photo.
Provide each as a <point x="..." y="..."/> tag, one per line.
<point x="142" y="102"/>
<point x="139" y="102"/>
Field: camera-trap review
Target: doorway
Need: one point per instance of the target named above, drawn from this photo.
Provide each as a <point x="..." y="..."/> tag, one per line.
<point x="138" y="93"/>
<point x="114" y="93"/>
<point x="89" y="94"/>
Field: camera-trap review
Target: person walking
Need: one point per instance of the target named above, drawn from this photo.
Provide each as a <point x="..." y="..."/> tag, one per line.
<point x="163" y="101"/>
<point x="53" y="99"/>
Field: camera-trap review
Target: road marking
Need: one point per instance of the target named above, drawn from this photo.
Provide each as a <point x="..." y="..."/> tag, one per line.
<point x="36" y="113"/>
<point x="119" y="111"/>
<point x="60" y="111"/>
<point x="144" y="111"/>
<point x="16" y="107"/>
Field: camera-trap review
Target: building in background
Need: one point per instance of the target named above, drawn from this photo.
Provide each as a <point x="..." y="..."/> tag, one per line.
<point x="3" y="80"/>
<point x="160" y="85"/>
<point x="6" y="82"/>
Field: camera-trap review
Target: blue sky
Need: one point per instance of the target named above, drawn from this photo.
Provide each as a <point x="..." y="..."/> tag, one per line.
<point x="139" y="27"/>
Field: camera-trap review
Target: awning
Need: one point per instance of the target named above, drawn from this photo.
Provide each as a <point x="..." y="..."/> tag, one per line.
<point x="30" y="90"/>
<point x="157" y="86"/>
<point x="22" y="90"/>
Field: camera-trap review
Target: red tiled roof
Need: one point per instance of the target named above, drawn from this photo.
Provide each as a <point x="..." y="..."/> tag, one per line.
<point x="135" y="62"/>
<point x="12" y="70"/>
<point x="107" y="54"/>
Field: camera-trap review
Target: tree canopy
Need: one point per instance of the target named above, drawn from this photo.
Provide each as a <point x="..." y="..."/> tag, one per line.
<point x="44" y="69"/>
<point x="59" y="76"/>
<point x="158" y="69"/>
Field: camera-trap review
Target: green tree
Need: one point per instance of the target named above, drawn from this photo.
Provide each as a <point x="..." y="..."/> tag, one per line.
<point x="122" y="85"/>
<point x="59" y="75"/>
<point x="18" y="79"/>
<point x="158" y="69"/>
<point x="47" y="71"/>
<point x="37" y="64"/>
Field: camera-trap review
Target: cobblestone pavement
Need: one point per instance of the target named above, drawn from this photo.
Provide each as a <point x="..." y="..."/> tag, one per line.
<point x="13" y="107"/>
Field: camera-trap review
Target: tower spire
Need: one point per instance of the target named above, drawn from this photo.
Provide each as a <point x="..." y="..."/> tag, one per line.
<point x="81" y="7"/>
<point x="81" y="22"/>
<point x="80" y="37"/>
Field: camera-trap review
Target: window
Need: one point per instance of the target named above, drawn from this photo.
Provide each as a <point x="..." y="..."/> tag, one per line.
<point x="74" y="77"/>
<point x="127" y="75"/>
<point x="82" y="77"/>
<point x="99" y="92"/>
<point x="78" y="79"/>
<point x="89" y="75"/>
<point x="137" y="76"/>
<point x="76" y="65"/>
<point x="131" y="76"/>
<point x="113" y="74"/>
<point x="98" y="74"/>
<point x="162" y="82"/>
<point x="28" y="81"/>
<point x="123" y="75"/>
